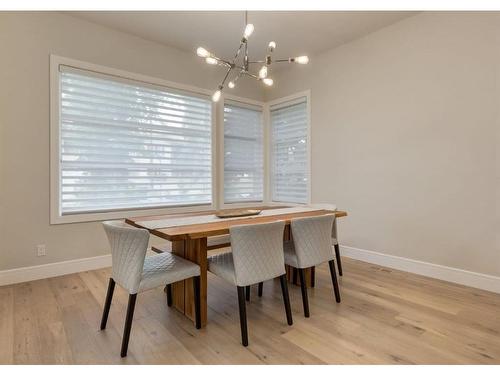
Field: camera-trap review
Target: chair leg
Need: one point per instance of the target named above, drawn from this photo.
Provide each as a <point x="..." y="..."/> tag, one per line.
<point x="303" y="288"/>
<point x="294" y="276"/>
<point x="261" y="286"/>
<point x="286" y="299"/>
<point x="128" y="323"/>
<point x="247" y="293"/>
<point x="168" y="289"/>
<point x="197" y="304"/>
<point x="107" y="304"/>
<point x="243" y="315"/>
<point x="334" y="281"/>
<point x="337" y="256"/>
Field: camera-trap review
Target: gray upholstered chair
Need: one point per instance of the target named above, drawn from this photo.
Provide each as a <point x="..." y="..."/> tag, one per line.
<point x="335" y="242"/>
<point x="257" y="255"/>
<point x="135" y="272"/>
<point x="311" y="245"/>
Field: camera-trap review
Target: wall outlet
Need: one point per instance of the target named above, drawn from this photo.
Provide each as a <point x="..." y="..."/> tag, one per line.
<point x="40" y="250"/>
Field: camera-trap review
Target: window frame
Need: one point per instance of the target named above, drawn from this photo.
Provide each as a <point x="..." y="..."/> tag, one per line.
<point x="56" y="217"/>
<point x="220" y="132"/>
<point x="217" y="139"/>
<point x="282" y="102"/>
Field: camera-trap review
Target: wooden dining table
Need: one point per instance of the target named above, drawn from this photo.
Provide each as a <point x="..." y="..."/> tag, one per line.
<point x="190" y="242"/>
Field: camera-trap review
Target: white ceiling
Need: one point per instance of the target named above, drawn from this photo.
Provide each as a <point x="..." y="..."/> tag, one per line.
<point x="296" y="33"/>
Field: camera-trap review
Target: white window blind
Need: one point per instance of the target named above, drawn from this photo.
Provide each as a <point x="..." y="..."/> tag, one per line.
<point x="243" y="153"/>
<point x="289" y="152"/>
<point x="126" y="144"/>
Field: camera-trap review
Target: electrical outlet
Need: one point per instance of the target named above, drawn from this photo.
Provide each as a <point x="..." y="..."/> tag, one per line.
<point x="40" y="250"/>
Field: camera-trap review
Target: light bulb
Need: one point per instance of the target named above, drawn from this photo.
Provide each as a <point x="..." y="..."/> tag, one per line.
<point x="211" y="61"/>
<point x="263" y="72"/>
<point x="268" y="81"/>
<point x="231" y="85"/>
<point x="216" y="95"/>
<point x="248" y="31"/>
<point x="202" y="52"/>
<point x="271" y="46"/>
<point x="302" y="60"/>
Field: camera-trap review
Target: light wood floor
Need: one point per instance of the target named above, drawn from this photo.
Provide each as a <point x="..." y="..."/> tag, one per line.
<point x="386" y="316"/>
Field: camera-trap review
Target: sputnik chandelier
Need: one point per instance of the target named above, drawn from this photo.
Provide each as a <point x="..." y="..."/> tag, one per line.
<point x="240" y="64"/>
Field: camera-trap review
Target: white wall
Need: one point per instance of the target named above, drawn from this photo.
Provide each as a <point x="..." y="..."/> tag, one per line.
<point x="405" y="137"/>
<point x="26" y="41"/>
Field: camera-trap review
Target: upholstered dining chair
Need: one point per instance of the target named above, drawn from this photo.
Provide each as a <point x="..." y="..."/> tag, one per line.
<point x="257" y="255"/>
<point x="335" y="242"/>
<point x="135" y="272"/>
<point x="311" y="245"/>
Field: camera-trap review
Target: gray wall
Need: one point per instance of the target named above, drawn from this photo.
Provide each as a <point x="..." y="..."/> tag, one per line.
<point x="405" y="136"/>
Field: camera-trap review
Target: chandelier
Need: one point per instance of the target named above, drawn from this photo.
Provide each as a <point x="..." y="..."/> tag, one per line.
<point x="240" y="63"/>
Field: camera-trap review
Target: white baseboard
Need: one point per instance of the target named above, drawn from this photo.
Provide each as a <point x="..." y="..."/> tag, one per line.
<point x="43" y="271"/>
<point x="454" y="275"/>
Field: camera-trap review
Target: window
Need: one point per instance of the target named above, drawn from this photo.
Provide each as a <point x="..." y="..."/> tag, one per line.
<point x="125" y="144"/>
<point x="243" y="153"/>
<point x="289" y="151"/>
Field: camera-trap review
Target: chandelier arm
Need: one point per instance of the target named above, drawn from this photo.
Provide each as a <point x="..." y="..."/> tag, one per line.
<point x="225" y="77"/>
<point x="257" y="62"/>
<point x="251" y="75"/>
<point x="282" y="60"/>
<point x="238" y="52"/>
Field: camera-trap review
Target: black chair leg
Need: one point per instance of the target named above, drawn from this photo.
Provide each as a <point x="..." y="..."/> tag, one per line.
<point x="261" y="286"/>
<point x="303" y="288"/>
<point x="294" y="276"/>
<point x="197" y="307"/>
<point x="128" y="323"/>
<point x="243" y="315"/>
<point x="334" y="281"/>
<point x="247" y="293"/>
<point x="286" y="299"/>
<point x="107" y="304"/>
<point x="168" y="289"/>
<point x="337" y="256"/>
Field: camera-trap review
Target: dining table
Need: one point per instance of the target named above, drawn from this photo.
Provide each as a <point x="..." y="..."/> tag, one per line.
<point x="189" y="234"/>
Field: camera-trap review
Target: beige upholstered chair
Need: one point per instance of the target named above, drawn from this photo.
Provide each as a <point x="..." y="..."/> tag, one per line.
<point x="335" y="242"/>
<point x="257" y="255"/>
<point x="135" y="272"/>
<point x="311" y="245"/>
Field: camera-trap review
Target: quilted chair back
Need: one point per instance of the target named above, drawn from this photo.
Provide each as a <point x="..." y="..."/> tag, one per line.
<point x="327" y="206"/>
<point x="312" y="240"/>
<point x="128" y="250"/>
<point x="257" y="252"/>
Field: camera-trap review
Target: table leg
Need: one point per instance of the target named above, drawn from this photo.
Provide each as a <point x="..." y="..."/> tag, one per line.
<point x="194" y="250"/>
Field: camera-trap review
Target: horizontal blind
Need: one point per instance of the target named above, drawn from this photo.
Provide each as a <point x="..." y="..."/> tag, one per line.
<point x="243" y="154"/>
<point x="127" y="145"/>
<point x="289" y="152"/>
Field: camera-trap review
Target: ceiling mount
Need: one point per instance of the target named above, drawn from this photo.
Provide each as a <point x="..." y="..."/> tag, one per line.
<point x="242" y="65"/>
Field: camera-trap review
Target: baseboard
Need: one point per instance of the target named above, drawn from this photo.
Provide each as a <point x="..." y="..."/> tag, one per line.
<point x="454" y="275"/>
<point x="43" y="271"/>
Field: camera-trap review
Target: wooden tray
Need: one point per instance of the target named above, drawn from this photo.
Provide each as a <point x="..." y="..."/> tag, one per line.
<point x="237" y="213"/>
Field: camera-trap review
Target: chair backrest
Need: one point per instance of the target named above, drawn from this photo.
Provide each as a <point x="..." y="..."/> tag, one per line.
<point x="330" y="207"/>
<point x="257" y="252"/>
<point x="128" y="250"/>
<point x="312" y="240"/>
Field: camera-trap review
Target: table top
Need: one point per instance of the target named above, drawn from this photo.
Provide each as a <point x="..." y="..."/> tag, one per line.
<point x="194" y="231"/>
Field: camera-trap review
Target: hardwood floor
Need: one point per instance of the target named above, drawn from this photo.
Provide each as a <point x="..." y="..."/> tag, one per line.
<point x="386" y="316"/>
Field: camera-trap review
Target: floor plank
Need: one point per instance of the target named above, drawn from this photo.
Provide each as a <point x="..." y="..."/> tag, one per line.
<point x="385" y="317"/>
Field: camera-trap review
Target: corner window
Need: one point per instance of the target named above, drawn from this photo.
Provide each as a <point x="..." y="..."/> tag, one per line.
<point x="290" y="151"/>
<point x="243" y="153"/>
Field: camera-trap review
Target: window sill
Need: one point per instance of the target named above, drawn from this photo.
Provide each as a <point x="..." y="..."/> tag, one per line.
<point x="111" y="215"/>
